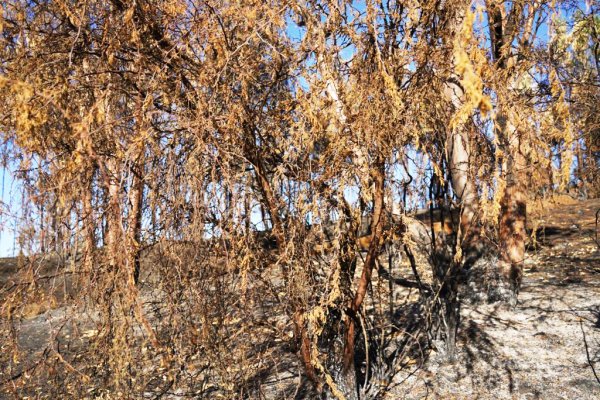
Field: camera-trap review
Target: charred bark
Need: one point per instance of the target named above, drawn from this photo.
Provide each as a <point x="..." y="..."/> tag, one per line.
<point x="134" y="227"/>
<point x="513" y="236"/>
<point x="513" y="208"/>
<point x="89" y="222"/>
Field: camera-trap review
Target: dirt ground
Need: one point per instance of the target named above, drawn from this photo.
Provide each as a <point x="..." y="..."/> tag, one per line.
<point x="548" y="347"/>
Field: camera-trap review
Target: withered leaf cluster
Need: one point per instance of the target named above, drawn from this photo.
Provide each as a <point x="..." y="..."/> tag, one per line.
<point x="215" y="190"/>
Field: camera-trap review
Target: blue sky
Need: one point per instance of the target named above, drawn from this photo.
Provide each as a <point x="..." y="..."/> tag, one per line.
<point x="9" y="208"/>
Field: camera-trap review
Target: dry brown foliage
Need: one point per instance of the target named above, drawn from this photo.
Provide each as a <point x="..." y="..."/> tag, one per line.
<point x="198" y="175"/>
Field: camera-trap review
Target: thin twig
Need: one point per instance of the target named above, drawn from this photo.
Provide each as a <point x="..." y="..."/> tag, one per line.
<point x="587" y="352"/>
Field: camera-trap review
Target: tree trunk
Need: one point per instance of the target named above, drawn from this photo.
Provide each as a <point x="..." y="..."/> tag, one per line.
<point x="467" y="245"/>
<point x="114" y="223"/>
<point x="134" y="227"/>
<point x="462" y="183"/>
<point x="513" y="207"/>
<point x="377" y="224"/>
<point x="513" y="220"/>
<point x="89" y="223"/>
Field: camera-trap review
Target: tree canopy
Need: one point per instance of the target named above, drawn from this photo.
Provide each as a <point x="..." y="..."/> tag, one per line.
<point x="209" y="168"/>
